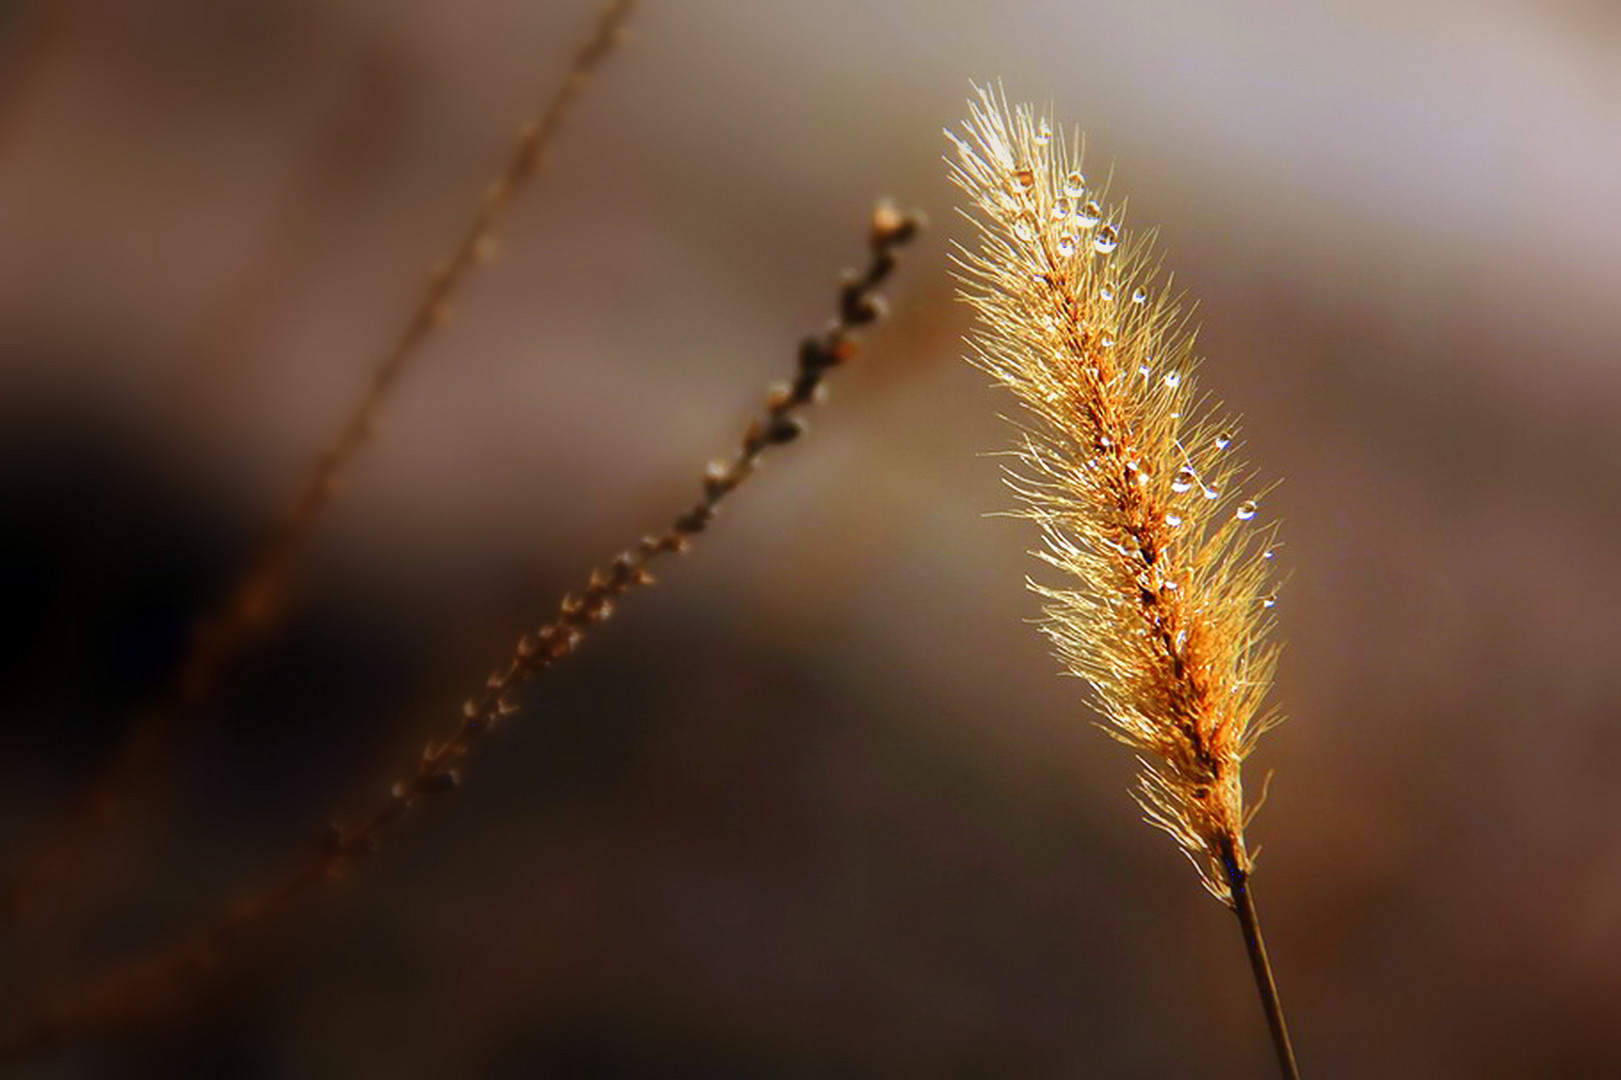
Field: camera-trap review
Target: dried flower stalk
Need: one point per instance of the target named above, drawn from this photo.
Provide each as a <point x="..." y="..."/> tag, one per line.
<point x="252" y="597"/>
<point x="137" y="990"/>
<point x="1135" y="482"/>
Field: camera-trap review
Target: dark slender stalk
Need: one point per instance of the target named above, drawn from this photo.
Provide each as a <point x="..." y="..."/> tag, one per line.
<point x="139" y="990"/>
<point x="1250" y="923"/>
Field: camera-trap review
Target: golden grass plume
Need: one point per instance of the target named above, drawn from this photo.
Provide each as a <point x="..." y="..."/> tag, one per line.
<point x="1133" y="476"/>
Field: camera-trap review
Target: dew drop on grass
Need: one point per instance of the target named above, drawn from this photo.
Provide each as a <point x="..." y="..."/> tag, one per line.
<point x="1089" y="215"/>
<point x="1173" y="379"/>
<point x="1173" y="520"/>
<point x="1074" y="184"/>
<point x="1183" y="480"/>
<point x="1139" y="297"/>
<point x="1269" y="601"/>
<point x="1224" y="440"/>
<point x="1245" y="511"/>
<point x="1063" y="208"/>
<point x="1105" y="293"/>
<point x="1066" y="246"/>
<point x="1211" y="493"/>
<point x="1044" y="133"/>
<point x="1106" y="340"/>
<point x="1025" y="179"/>
<point x="1024" y="230"/>
<point x="1106" y="240"/>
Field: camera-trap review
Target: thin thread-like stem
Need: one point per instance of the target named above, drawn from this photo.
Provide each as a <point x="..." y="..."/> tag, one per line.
<point x="127" y="993"/>
<point x="1266" y="985"/>
<point x="251" y="599"/>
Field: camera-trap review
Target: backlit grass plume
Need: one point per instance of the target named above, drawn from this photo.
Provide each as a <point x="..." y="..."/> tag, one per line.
<point x="1134" y="479"/>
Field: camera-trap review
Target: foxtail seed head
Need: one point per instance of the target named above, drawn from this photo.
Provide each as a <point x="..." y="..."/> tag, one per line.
<point x="1133" y="478"/>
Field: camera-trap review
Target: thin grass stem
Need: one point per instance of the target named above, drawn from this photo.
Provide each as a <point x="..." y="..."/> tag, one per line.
<point x="129" y="993"/>
<point x="1249" y="922"/>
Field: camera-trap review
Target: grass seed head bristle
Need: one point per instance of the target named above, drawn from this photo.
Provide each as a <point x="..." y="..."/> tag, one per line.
<point x="1166" y="593"/>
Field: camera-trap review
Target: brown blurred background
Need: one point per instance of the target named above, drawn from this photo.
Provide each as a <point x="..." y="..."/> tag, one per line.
<point x="817" y="805"/>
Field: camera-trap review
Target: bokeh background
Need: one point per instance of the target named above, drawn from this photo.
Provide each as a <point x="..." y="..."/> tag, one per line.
<point x="818" y="805"/>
